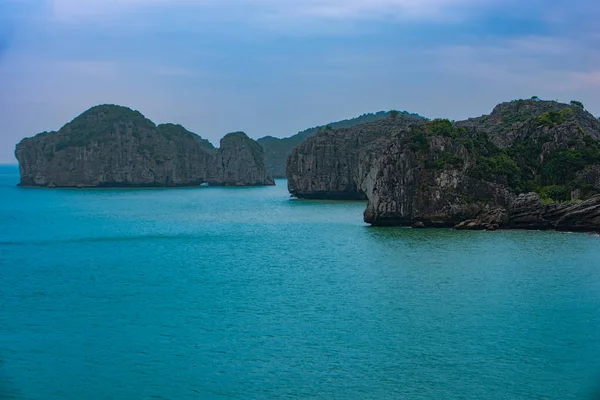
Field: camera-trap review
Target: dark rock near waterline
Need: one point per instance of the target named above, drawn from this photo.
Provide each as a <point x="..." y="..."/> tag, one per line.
<point x="113" y="146"/>
<point x="489" y="221"/>
<point x="527" y="212"/>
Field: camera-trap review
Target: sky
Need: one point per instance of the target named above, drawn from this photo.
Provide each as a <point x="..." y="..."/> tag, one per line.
<point x="275" y="67"/>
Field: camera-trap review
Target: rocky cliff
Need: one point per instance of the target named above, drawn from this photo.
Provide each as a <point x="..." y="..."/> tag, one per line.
<point x="241" y="162"/>
<point x="278" y="150"/>
<point x="115" y="146"/>
<point x="326" y="166"/>
<point x="530" y="164"/>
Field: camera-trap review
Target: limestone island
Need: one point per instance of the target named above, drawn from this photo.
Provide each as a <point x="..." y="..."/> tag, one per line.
<point x="114" y="146"/>
<point x="530" y="164"/>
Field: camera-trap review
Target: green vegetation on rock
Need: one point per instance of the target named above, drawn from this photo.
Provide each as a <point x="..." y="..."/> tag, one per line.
<point x="418" y="140"/>
<point x="553" y="118"/>
<point x="439" y="127"/>
<point x="99" y="124"/>
<point x="562" y="166"/>
<point x="553" y="193"/>
<point x="577" y="104"/>
<point x="443" y="127"/>
<point x="445" y="158"/>
<point x="499" y="165"/>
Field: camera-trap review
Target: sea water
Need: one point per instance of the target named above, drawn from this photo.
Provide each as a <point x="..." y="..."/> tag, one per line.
<point x="246" y="293"/>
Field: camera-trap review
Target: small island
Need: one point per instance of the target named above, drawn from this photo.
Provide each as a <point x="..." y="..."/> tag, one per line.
<point x="114" y="146"/>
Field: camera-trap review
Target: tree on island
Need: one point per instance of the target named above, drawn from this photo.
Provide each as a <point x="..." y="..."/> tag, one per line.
<point x="394" y="114"/>
<point x="577" y="104"/>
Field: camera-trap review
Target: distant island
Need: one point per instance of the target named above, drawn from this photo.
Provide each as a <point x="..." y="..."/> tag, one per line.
<point x="114" y="146"/>
<point x="530" y="164"/>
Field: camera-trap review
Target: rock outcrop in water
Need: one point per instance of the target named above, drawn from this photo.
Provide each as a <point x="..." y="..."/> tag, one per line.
<point x="530" y="164"/>
<point x="109" y="146"/>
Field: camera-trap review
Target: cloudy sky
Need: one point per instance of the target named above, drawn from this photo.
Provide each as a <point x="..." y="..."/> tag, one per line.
<point x="274" y="67"/>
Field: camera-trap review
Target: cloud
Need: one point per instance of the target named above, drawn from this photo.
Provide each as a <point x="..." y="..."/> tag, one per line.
<point x="90" y="69"/>
<point x="176" y="72"/>
<point x="100" y="69"/>
<point x="6" y="26"/>
<point x="550" y="67"/>
<point x="360" y="9"/>
<point x="301" y="9"/>
<point x="3" y="43"/>
<point x="591" y="78"/>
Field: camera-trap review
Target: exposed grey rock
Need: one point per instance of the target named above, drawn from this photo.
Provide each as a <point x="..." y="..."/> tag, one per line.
<point x="327" y="165"/>
<point x="115" y="146"/>
<point x="402" y="185"/>
<point x="590" y="176"/>
<point x="278" y="150"/>
<point x="527" y="212"/>
<point x="241" y="162"/>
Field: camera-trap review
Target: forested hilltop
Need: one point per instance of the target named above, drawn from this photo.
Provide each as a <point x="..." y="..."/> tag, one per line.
<point x="278" y="150"/>
<point x="529" y="164"/>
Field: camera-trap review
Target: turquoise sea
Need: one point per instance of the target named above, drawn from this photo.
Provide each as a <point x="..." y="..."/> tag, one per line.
<point x="245" y="293"/>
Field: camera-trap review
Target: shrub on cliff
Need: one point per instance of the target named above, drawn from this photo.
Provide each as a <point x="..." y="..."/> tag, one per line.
<point x="442" y="127"/>
<point x="444" y="159"/>
<point x="577" y="104"/>
<point x="418" y="140"/>
<point x="562" y="166"/>
<point x="554" y="192"/>
<point x="497" y="166"/>
<point x="553" y="118"/>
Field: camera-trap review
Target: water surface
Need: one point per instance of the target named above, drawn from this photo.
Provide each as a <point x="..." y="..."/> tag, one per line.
<point x="244" y="293"/>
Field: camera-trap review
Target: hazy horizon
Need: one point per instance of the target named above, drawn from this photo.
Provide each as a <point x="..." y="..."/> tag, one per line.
<point x="273" y="69"/>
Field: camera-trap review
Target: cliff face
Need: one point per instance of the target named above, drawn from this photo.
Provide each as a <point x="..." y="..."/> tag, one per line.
<point x="327" y="165"/>
<point x="241" y="162"/>
<point x="406" y="183"/>
<point x="535" y="167"/>
<point x="115" y="146"/>
<point x="278" y="150"/>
